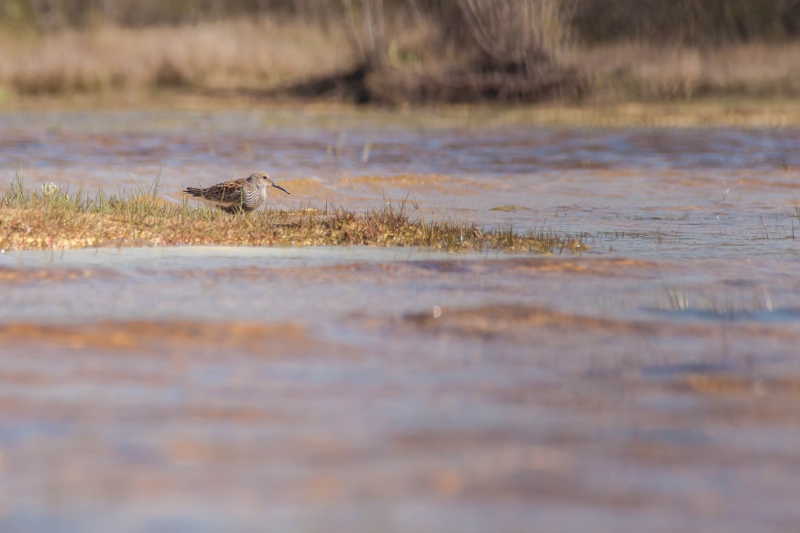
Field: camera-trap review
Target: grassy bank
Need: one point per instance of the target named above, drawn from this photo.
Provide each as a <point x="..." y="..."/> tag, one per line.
<point x="50" y="219"/>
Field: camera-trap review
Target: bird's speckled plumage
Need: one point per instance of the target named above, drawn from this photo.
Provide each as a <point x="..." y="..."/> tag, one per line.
<point x="236" y="196"/>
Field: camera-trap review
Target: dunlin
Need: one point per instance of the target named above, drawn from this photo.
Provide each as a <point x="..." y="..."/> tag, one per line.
<point x="236" y="196"/>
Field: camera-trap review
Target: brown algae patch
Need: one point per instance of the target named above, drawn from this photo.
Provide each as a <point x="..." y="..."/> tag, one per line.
<point x="513" y="321"/>
<point x="449" y="184"/>
<point x="507" y="208"/>
<point x="410" y="271"/>
<point x="58" y="275"/>
<point x="260" y="339"/>
<point x="52" y="219"/>
<point x="526" y="267"/>
<point x="747" y="385"/>
<point x="596" y="266"/>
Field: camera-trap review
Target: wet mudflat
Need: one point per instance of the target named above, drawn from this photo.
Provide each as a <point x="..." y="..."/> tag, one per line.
<point x="651" y="383"/>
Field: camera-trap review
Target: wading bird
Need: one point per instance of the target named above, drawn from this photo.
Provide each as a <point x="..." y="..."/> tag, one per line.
<point x="237" y="196"/>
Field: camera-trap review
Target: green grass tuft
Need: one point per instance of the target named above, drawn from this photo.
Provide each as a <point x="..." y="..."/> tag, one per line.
<point x="51" y="218"/>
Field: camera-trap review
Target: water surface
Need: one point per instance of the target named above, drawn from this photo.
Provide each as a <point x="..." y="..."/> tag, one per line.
<point x="648" y="384"/>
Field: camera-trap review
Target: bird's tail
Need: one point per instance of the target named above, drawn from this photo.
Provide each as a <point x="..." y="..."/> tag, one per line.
<point x="194" y="191"/>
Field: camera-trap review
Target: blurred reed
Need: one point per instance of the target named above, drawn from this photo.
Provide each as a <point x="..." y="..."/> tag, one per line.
<point x="631" y="71"/>
<point x="688" y="21"/>
<point x="398" y="51"/>
<point x="691" y="22"/>
<point x="239" y="52"/>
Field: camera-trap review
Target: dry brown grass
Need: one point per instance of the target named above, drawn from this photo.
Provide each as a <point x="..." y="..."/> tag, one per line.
<point x="52" y="219"/>
<point x="237" y="53"/>
<point x="639" y="71"/>
<point x="422" y="65"/>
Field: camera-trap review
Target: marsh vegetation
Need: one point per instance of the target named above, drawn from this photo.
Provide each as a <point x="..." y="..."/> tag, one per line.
<point x="396" y="52"/>
<point x="54" y="219"/>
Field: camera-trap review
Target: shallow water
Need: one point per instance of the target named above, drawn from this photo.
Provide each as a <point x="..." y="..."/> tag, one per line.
<point x="649" y="384"/>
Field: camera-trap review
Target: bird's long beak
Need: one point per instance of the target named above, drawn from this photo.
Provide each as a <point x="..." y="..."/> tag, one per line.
<point x="279" y="187"/>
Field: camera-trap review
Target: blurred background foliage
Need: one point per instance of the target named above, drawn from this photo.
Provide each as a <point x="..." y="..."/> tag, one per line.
<point x="400" y="51"/>
<point x="688" y="21"/>
<point x="590" y="21"/>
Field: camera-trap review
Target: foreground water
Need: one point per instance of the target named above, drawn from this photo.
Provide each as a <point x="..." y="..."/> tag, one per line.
<point x="650" y="384"/>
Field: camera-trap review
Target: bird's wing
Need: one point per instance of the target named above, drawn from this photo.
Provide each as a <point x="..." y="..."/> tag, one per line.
<point x="228" y="192"/>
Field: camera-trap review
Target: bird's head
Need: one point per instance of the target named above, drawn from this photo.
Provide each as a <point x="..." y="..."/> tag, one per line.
<point x="266" y="180"/>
